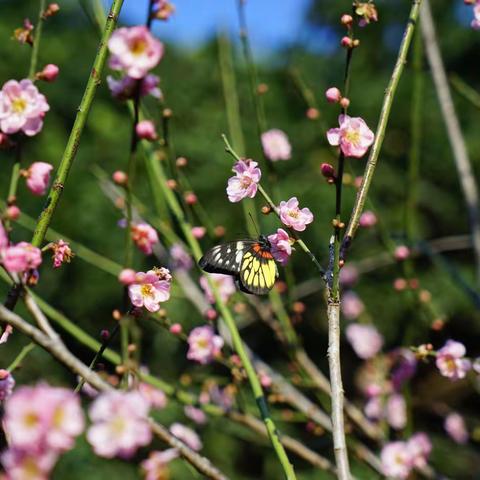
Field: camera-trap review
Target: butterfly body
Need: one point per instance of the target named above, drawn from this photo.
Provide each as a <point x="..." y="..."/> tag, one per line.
<point x="250" y="261"/>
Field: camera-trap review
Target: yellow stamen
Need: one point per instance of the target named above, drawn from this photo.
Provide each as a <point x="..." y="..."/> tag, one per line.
<point x="19" y="105"/>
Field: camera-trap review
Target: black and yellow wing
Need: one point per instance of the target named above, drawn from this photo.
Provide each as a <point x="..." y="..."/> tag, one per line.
<point x="249" y="261"/>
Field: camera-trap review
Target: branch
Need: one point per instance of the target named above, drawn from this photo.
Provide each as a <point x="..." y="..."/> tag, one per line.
<point x="381" y="128"/>
<point x="457" y="142"/>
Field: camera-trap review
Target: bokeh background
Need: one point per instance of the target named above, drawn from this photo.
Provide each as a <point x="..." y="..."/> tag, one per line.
<point x="294" y="42"/>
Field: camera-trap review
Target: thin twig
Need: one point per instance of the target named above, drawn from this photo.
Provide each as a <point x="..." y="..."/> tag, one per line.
<point x="452" y="124"/>
<point x="381" y="128"/>
<point x="36" y="40"/>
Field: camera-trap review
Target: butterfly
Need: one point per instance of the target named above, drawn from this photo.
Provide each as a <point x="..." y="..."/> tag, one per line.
<point x="250" y="261"/>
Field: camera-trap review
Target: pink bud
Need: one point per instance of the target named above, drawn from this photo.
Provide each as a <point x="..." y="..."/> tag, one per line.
<point x="120" y="177"/>
<point x="211" y="314"/>
<point x="399" y="284"/>
<point x="146" y="130"/>
<point x="346" y="42"/>
<point x="127" y="276"/>
<point x="13" y="212"/>
<point x="333" y="95"/>
<point x="265" y="380"/>
<point x="199" y="232"/>
<point x="358" y="181"/>
<point x="346" y="20"/>
<point x="49" y="73"/>
<point x="176" y="329"/>
<point x="313" y="113"/>
<point x="327" y="170"/>
<point x="190" y="198"/>
<point x="344" y="102"/>
<point x="402" y="252"/>
<point x="367" y="219"/>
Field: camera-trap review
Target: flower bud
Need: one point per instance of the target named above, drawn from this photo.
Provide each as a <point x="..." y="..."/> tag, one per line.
<point x="262" y="88"/>
<point x="120" y="177"/>
<point x="13" y="212"/>
<point x="167" y="113"/>
<point x="49" y="73"/>
<point x="266" y="209"/>
<point x="175" y="328"/>
<point x="127" y="276"/>
<point x="211" y="314"/>
<point x="51" y="10"/>
<point x="333" y="95"/>
<point x="402" y="252"/>
<point x="399" y="284"/>
<point x="146" y="130"/>
<point x="344" y="102"/>
<point x="171" y="184"/>
<point x="367" y="219"/>
<point x="327" y="170"/>
<point x="346" y="42"/>
<point x="346" y="20"/>
<point x="104" y="334"/>
<point x="313" y="113"/>
<point x="190" y="198"/>
<point x="219" y="231"/>
<point x="198" y="232"/>
<point x="181" y="162"/>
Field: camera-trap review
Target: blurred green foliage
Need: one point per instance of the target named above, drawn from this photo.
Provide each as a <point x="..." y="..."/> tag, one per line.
<point x="192" y="87"/>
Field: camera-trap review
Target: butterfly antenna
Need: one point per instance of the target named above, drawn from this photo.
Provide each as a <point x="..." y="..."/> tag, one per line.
<point x="254" y="224"/>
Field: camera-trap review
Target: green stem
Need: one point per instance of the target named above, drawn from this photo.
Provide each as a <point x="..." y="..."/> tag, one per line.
<point x="19" y="358"/>
<point x="36" y="41"/>
<point x="78" y="126"/>
<point x="12" y="189"/>
<point x="465" y="90"/>
<point x="381" y="127"/>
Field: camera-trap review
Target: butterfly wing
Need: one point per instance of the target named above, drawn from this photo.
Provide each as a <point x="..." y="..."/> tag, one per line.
<point x="225" y="258"/>
<point x="258" y="270"/>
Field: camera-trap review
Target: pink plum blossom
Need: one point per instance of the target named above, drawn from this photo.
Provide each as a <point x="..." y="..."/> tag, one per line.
<point x="244" y="183"/>
<point x="365" y="339"/>
<point x="43" y="416"/>
<point x="455" y="427"/>
<point x="276" y="145"/>
<point x="204" y="345"/>
<point x="348" y="276"/>
<point x="224" y="283"/>
<point x="124" y="88"/>
<point x="181" y="259"/>
<point x="420" y="448"/>
<point x="38" y="177"/>
<point x="195" y="414"/>
<point x="281" y="246"/>
<point x="374" y="408"/>
<point x="396" y="460"/>
<point x="7" y="383"/>
<point x="21" y="257"/>
<point x="144" y="236"/>
<point x="186" y="435"/>
<point x="22" y="108"/>
<point x="476" y="16"/>
<point x="352" y="306"/>
<point x="62" y="253"/>
<point x="155" y="466"/>
<point x="451" y="362"/>
<point x="28" y="464"/>
<point x="396" y="411"/>
<point x="353" y="136"/>
<point x="120" y="424"/>
<point x="292" y="216"/>
<point x="155" y="397"/>
<point x="150" y="289"/>
<point x="134" y="50"/>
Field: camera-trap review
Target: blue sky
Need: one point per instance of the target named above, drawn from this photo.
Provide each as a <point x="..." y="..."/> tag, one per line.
<point x="272" y="23"/>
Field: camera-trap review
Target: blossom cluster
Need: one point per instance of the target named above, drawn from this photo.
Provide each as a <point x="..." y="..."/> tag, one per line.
<point x="41" y="422"/>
